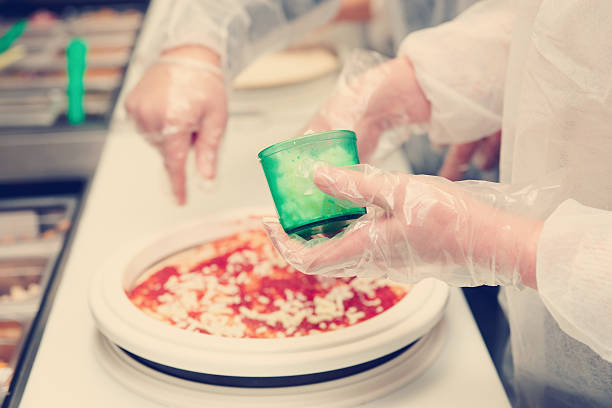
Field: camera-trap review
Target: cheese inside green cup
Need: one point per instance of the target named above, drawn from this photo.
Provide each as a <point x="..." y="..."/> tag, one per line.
<point x="289" y="169"/>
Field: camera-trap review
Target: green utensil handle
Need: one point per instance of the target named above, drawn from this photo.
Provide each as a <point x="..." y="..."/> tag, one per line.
<point x="76" y="59"/>
<point x="13" y="34"/>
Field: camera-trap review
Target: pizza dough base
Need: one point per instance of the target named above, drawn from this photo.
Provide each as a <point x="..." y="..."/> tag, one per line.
<point x="287" y="67"/>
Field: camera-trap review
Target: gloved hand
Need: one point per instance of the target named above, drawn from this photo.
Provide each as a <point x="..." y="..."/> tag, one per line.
<point x="424" y="226"/>
<point x="181" y="96"/>
<point x="372" y="95"/>
<point x="483" y="153"/>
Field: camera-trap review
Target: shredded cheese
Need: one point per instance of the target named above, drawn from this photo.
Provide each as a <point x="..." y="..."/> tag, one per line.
<point x="239" y="286"/>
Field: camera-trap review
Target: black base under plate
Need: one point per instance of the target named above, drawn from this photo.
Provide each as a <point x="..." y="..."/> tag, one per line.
<point x="269" y="382"/>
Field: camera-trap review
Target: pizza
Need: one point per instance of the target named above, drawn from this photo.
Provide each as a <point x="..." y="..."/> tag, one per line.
<point x="238" y="286"/>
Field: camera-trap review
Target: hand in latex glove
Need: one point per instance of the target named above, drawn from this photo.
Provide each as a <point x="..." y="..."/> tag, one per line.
<point x="181" y="96"/>
<point x="372" y="96"/>
<point x="426" y="226"/>
<point x="483" y="153"/>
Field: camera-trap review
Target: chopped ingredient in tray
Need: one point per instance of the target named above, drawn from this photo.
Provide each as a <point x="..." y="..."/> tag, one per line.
<point x="42" y="20"/>
<point x="239" y="286"/>
<point x="20" y="278"/>
<point x="109" y="15"/>
<point x="10" y="330"/>
<point x="22" y="266"/>
<point x="16" y="293"/>
<point x="7" y="353"/>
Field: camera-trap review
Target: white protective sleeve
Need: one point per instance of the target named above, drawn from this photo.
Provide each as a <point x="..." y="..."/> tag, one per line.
<point x="574" y="273"/>
<point x="241" y="30"/>
<point x="461" y="67"/>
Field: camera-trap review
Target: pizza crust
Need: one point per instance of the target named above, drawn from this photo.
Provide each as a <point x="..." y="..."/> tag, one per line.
<point x="287" y="67"/>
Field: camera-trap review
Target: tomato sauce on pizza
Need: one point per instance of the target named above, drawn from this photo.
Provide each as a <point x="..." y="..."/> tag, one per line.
<point x="238" y="286"/>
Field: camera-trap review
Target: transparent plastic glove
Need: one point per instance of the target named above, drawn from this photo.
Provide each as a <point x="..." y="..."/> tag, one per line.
<point x="373" y="95"/>
<point x="483" y="153"/>
<point x="424" y="226"/>
<point x="180" y="103"/>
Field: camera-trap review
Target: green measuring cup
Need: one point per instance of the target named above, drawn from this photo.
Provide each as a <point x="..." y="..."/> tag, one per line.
<point x="303" y="209"/>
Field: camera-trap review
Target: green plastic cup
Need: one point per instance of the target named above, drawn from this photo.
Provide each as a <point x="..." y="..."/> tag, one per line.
<point x="303" y="209"/>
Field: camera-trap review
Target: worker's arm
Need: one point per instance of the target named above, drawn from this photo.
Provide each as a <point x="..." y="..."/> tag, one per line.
<point x="440" y="77"/>
<point x="239" y="31"/>
<point x="469" y="234"/>
<point x="461" y="67"/>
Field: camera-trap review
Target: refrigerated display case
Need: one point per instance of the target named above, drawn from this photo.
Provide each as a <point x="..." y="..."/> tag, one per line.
<point x="45" y="161"/>
<point x="37" y="141"/>
<point x="34" y="235"/>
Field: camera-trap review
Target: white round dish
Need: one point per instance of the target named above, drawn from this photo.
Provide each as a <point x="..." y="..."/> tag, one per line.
<point x="344" y="392"/>
<point x="132" y="330"/>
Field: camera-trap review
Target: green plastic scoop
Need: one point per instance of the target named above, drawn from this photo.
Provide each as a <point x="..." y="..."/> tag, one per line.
<point x="12" y="34"/>
<point x="76" y="54"/>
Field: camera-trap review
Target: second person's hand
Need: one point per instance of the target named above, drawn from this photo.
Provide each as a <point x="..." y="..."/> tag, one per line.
<point x="483" y="153"/>
<point x="180" y="102"/>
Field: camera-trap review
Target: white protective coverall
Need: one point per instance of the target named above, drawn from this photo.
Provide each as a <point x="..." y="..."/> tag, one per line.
<point x="545" y="67"/>
<point x="241" y="30"/>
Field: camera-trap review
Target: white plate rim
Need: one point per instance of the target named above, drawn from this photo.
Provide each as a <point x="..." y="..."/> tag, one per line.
<point x="131" y="329"/>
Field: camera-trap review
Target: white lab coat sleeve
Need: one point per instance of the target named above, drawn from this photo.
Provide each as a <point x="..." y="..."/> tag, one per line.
<point x="241" y="30"/>
<point x="574" y="273"/>
<point x="461" y="67"/>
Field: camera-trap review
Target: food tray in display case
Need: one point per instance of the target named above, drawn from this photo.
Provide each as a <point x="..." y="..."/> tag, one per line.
<point x="21" y="281"/>
<point x="13" y="333"/>
<point x="37" y="141"/>
<point x="110" y="34"/>
<point x="32" y="236"/>
<point x="213" y="305"/>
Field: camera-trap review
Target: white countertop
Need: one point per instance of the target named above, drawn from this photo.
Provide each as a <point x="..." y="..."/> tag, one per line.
<point x="130" y="198"/>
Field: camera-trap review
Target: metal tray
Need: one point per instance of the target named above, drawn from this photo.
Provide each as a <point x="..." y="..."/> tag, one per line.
<point x="21" y="282"/>
<point x="42" y="144"/>
<point x="32" y="261"/>
<point x="13" y="333"/>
